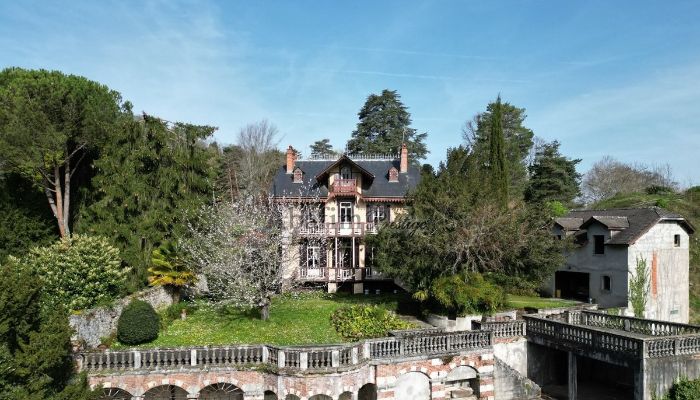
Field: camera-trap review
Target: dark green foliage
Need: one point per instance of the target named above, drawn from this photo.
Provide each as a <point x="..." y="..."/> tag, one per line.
<point x="497" y="158"/>
<point x="139" y="323"/>
<point x="685" y="389"/>
<point x="553" y="177"/>
<point x="322" y="147"/>
<point x="384" y="124"/>
<point x="50" y="124"/>
<point x="452" y="226"/>
<point x="658" y="189"/>
<point x="35" y="360"/>
<point x="365" y="322"/>
<point x="466" y="294"/>
<point x="149" y="176"/>
<point x="518" y="141"/>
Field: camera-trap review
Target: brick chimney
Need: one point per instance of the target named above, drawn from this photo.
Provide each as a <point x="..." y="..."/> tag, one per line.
<point x="404" y="159"/>
<point x="291" y="159"/>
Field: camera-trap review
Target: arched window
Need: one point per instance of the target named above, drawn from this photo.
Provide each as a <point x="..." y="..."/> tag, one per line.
<point x="115" y="394"/>
<point x="345" y="172"/>
<point x="166" y="392"/>
<point x="221" y="391"/>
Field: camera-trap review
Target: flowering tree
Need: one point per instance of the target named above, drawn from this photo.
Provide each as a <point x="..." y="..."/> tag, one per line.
<point x="243" y="248"/>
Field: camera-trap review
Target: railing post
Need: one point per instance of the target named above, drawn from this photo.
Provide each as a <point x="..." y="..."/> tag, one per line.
<point x="676" y="347"/>
<point x="265" y="354"/>
<point x="193" y="357"/>
<point x="303" y="360"/>
<point x="366" y="355"/>
<point x="354" y="355"/>
<point x="402" y="345"/>
<point x="335" y="358"/>
<point x="281" y="355"/>
<point x="137" y="359"/>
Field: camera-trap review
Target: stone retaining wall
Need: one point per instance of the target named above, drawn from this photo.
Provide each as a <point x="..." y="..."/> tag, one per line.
<point x="90" y="326"/>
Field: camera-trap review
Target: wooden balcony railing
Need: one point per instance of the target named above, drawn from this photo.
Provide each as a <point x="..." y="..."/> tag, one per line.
<point x="338" y="228"/>
<point x="341" y="187"/>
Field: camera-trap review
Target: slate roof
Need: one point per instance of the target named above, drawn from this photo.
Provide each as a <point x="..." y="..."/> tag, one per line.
<point x="283" y="184"/>
<point x="631" y="223"/>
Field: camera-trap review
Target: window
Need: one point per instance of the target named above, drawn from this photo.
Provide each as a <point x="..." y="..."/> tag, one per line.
<point x="345" y="173"/>
<point x="298" y="174"/>
<point x="393" y="175"/>
<point x="345" y="212"/>
<point x="676" y="240"/>
<point x="605" y="283"/>
<point x="378" y="214"/>
<point x="313" y="257"/>
<point x="599" y="243"/>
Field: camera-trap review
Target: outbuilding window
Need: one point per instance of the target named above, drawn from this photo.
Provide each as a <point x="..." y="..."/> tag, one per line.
<point x="605" y="283"/>
<point x="676" y="240"/>
<point x="599" y="244"/>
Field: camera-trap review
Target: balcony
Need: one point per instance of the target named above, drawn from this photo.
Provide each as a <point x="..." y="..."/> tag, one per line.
<point x="344" y="187"/>
<point x="338" y="229"/>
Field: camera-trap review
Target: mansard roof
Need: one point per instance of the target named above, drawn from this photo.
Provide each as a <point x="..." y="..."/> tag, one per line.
<point x="380" y="186"/>
<point x="631" y="223"/>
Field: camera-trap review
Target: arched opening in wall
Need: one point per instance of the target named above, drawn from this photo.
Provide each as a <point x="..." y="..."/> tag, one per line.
<point x="412" y="386"/>
<point x="269" y="395"/>
<point x="291" y="397"/>
<point x="367" y="392"/>
<point x="320" y="397"/>
<point x="345" y="396"/>
<point x="115" y="394"/>
<point x="166" y="392"/>
<point x="221" y="391"/>
<point x="462" y="382"/>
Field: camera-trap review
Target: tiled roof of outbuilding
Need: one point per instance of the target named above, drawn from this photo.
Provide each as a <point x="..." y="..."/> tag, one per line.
<point x="631" y="222"/>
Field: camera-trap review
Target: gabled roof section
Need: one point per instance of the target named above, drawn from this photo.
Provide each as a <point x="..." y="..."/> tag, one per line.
<point x="343" y="159"/>
<point x="631" y="223"/>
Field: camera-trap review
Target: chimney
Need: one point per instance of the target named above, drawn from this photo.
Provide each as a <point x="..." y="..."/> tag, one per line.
<point x="404" y="159"/>
<point x="291" y="159"/>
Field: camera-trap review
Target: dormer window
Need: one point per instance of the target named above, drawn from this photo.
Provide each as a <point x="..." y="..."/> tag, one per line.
<point x="298" y="175"/>
<point x="393" y="175"/>
<point x="345" y="172"/>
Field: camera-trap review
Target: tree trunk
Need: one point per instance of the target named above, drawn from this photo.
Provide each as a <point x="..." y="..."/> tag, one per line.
<point x="66" y="196"/>
<point x="59" y="201"/>
<point x="175" y="292"/>
<point x="265" y="311"/>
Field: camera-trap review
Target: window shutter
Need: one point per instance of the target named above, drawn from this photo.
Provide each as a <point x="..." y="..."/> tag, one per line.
<point x="302" y="255"/>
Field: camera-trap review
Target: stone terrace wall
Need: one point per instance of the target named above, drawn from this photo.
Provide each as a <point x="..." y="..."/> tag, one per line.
<point x="92" y="325"/>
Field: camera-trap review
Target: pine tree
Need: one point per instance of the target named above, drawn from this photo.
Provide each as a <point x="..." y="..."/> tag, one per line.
<point x="497" y="158"/>
<point x="385" y="124"/>
<point x="322" y="147"/>
<point x="553" y="177"/>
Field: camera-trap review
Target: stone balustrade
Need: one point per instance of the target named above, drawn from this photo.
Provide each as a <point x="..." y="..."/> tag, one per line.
<point x="632" y="324"/>
<point x="293" y="359"/>
<point x="502" y="329"/>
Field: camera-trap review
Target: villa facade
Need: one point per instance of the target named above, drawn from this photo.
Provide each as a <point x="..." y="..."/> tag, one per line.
<point x="335" y="202"/>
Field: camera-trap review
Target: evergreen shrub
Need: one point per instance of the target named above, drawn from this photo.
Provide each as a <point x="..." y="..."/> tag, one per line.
<point x="466" y="294"/>
<point x="685" y="389"/>
<point x="365" y="322"/>
<point x="139" y="323"/>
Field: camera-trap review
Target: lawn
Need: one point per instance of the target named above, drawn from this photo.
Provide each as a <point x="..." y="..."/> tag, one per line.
<point x="520" y="302"/>
<point x="293" y="321"/>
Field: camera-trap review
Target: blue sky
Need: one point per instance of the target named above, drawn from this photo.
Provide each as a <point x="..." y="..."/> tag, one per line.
<point x="604" y="78"/>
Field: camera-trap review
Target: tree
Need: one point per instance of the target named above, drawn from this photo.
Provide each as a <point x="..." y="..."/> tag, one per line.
<point x="608" y="176"/>
<point x="242" y="247"/>
<point x="322" y="147"/>
<point x="170" y="270"/>
<point x="148" y="177"/>
<point x="451" y="227"/>
<point x="639" y="288"/>
<point x="384" y="125"/>
<point x="259" y="157"/>
<point x="518" y="140"/>
<point x="49" y="122"/>
<point x="35" y="358"/>
<point x="553" y="177"/>
<point x="79" y="272"/>
<point x="497" y="158"/>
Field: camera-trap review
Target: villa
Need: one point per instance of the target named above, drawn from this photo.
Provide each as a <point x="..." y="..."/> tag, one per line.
<point x="339" y="200"/>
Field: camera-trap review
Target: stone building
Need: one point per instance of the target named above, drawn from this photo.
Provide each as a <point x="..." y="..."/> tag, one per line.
<point x="609" y="244"/>
<point x="335" y="202"/>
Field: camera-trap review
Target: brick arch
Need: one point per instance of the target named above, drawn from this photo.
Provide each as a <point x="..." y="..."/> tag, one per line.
<point x="221" y="391"/>
<point x="114" y="393"/>
<point x="413" y="385"/>
<point x="166" y="392"/>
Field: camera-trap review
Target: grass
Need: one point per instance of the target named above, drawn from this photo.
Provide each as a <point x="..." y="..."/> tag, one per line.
<point x="300" y="320"/>
<point x="519" y="302"/>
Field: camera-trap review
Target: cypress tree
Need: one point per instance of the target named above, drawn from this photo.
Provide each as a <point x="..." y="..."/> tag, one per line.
<point x="497" y="157"/>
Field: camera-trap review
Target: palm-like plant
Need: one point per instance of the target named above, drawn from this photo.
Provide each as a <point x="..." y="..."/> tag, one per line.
<point x="169" y="269"/>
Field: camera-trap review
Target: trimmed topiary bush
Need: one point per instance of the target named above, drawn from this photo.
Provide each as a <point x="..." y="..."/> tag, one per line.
<point x="365" y="322"/>
<point x="139" y="323"/>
